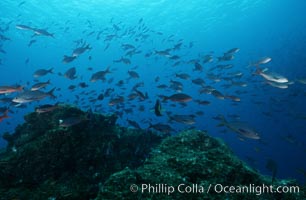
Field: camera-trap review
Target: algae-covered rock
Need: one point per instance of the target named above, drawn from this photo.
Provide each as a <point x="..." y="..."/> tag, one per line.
<point x="44" y="160"/>
<point x="183" y="167"/>
<point x="90" y="157"/>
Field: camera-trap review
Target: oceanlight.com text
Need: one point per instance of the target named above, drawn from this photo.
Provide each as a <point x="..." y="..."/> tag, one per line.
<point x="213" y="188"/>
<point x="255" y="189"/>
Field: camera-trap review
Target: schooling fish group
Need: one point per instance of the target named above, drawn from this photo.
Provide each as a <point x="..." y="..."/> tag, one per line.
<point x="209" y="73"/>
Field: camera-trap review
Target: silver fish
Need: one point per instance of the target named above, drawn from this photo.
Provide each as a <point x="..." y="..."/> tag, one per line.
<point x="29" y="96"/>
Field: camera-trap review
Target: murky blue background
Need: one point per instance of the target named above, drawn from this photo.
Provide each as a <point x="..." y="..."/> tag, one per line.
<point x="259" y="28"/>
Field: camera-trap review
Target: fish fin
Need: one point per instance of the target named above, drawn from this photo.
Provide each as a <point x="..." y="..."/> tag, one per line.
<point x="50" y="93"/>
<point x="223" y="121"/>
<point x="264" y="70"/>
<point x="251" y="65"/>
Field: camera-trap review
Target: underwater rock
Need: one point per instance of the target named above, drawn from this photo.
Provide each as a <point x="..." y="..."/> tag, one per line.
<point x="93" y="158"/>
<point x="195" y="160"/>
<point x="45" y="160"/>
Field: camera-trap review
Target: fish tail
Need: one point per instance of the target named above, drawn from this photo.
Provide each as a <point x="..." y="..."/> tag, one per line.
<point x="223" y="121"/>
<point x="20" y="88"/>
<point x="88" y="47"/>
<point x="51" y="70"/>
<point x="257" y="71"/>
<point x="221" y="124"/>
<point x="108" y="69"/>
<point x="50" y="93"/>
<point x="165" y="98"/>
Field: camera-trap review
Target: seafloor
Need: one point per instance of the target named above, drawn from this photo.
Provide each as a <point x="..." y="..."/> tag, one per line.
<point x="96" y="159"/>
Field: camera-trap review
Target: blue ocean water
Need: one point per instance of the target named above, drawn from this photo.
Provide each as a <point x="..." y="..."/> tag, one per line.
<point x="259" y="28"/>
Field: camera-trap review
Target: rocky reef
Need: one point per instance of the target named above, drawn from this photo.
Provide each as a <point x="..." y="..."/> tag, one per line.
<point x="191" y="162"/>
<point x="44" y="160"/>
<point x="92" y="158"/>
